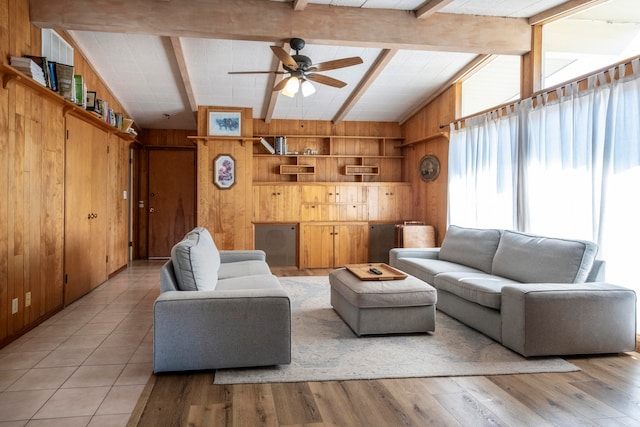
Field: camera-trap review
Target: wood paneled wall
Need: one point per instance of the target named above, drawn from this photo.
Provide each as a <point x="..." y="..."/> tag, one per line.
<point x="32" y="163"/>
<point x="430" y="199"/>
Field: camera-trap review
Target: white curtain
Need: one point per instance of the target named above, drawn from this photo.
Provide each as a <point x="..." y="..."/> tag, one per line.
<point x="483" y="159"/>
<point x="577" y="164"/>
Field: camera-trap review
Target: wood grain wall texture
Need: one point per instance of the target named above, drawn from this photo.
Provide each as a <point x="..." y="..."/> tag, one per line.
<point x="430" y="199"/>
<point x="31" y="194"/>
<point x="32" y="171"/>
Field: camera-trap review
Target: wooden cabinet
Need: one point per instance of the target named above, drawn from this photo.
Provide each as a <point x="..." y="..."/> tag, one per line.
<point x="390" y="202"/>
<point x="96" y="211"/>
<point x="276" y="203"/>
<point x="85" y="208"/>
<point x="333" y="245"/>
<point x="330" y="202"/>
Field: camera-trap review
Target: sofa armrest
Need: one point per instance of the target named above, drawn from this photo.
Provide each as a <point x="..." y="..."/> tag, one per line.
<point x="425" y="253"/>
<point x="544" y="319"/>
<point x="242" y="255"/>
<point x="195" y="330"/>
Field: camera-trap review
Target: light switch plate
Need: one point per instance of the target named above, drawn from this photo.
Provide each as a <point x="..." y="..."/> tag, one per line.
<point x="14" y="306"/>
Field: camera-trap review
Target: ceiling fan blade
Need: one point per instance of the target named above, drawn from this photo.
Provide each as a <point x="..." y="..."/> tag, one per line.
<point x="281" y="84"/>
<point x="338" y="63"/>
<point x="257" y="72"/>
<point x="284" y="57"/>
<point x="326" y="80"/>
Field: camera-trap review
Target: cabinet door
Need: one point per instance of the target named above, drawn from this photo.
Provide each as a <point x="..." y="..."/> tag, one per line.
<point x="351" y="244"/>
<point x="390" y="203"/>
<point x="85" y="208"/>
<point x="317" y="246"/>
<point x="317" y="194"/>
<point x="276" y="203"/>
<point x="350" y="194"/>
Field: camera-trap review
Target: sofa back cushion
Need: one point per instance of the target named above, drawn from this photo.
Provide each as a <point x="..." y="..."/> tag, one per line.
<point x="196" y="261"/>
<point x="470" y="246"/>
<point x="535" y="259"/>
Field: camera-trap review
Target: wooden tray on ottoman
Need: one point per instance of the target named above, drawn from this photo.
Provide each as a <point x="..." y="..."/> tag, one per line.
<point x="363" y="273"/>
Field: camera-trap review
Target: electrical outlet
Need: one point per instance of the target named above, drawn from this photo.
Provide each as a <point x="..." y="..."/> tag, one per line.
<point x="14" y="306"/>
<point x="27" y="299"/>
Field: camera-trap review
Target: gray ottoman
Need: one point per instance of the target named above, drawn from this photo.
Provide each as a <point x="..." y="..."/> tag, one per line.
<point x="383" y="307"/>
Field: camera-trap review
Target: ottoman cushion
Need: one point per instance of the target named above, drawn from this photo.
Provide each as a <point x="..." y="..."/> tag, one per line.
<point x="409" y="292"/>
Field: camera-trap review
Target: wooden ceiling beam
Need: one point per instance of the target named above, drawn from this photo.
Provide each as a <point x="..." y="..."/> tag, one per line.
<point x="300" y="4"/>
<point x="271" y="97"/>
<point x="380" y="63"/>
<point x="276" y="22"/>
<point x="563" y="10"/>
<point x="184" y="73"/>
<point x="431" y="8"/>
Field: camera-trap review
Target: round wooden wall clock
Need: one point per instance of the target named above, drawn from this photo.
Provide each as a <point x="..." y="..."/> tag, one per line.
<point x="429" y="168"/>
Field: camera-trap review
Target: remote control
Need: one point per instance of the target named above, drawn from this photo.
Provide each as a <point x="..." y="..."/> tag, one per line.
<point x="375" y="271"/>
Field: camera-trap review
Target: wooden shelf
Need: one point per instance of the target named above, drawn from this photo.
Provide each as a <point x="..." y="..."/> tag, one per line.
<point x="297" y="170"/>
<point x="12" y="75"/>
<point x="241" y="139"/>
<point x="361" y="170"/>
<point x="426" y="139"/>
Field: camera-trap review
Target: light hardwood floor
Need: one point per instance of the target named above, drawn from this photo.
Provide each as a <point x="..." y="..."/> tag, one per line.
<point x="606" y="392"/>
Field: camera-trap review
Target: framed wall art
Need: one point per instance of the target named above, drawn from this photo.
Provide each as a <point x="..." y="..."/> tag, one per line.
<point x="429" y="168"/>
<point x="224" y="171"/>
<point x="224" y="123"/>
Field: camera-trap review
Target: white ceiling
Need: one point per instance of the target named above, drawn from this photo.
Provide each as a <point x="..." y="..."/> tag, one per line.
<point x="143" y="70"/>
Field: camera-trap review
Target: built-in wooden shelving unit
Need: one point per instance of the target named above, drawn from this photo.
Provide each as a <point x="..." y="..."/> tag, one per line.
<point x="11" y="75"/>
<point x="425" y="139"/>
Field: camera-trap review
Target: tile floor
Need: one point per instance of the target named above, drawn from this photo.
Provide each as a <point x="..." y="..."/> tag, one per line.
<point x="88" y="364"/>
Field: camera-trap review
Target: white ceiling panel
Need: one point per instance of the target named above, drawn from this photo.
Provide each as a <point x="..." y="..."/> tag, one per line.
<point x="408" y="79"/>
<point x="143" y="73"/>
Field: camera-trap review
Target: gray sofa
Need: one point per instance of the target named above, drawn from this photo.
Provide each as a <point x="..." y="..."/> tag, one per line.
<point x="219" y="309"/>
<point x="538" y="296"/>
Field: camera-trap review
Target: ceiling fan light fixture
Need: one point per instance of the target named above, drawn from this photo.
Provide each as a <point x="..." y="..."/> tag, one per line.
<point x="292" y="87"/>
<point x="307" y="88"/>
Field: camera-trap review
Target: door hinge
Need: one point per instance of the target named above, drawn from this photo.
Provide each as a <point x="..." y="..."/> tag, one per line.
<point x="107" y="259"/>
<point x="130" y="244"/>
<point x="67" y="133"/>
<point x="107" y="149"/>
<point x="66" y="278"/>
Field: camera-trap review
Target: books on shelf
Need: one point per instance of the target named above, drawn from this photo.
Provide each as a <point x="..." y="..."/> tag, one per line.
<point x="266" y="145"/>
<point x="80" y="90"/>
<point x="66" y="85"/>
<point x="30" y="68"/>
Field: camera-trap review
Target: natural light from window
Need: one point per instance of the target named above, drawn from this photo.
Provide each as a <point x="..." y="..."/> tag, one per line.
<point x="496" y="83"/>
<point x="590" y="40"/>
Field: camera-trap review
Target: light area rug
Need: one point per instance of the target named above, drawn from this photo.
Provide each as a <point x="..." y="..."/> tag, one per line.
<point x="324" y="348"/>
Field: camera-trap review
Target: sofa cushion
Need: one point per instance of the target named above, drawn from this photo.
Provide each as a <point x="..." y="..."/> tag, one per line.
<point x="249" y="282"/>
<point x="480" y="288"/>
<point x="196" y="261"/>
<point x="242" y="268"/>
<point x="427" y="269"/>
<point x="535" y="259"/>
<point x="470" y="246"/>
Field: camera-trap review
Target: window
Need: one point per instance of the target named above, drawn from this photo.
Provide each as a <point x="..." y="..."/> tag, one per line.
<point x="496" y="83"/>
<point x="590" y="40"/>
<point x="55" y="48"/>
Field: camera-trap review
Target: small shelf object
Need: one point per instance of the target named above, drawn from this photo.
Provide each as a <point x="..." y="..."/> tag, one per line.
<point x="361" y="170"/>
<point x="297" y="169"/>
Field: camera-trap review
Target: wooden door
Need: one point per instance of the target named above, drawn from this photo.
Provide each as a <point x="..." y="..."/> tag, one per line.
<point x="99" y="212"/>
<point x="172" y="198"/>
<point x="85" y="213"/>
<point x="317" y="246"/>
<point x="351" y="244"/>
<point x="276" y="203"/>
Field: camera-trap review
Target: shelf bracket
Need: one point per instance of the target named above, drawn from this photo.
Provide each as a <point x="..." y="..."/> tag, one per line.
<point x="8" y="78"/>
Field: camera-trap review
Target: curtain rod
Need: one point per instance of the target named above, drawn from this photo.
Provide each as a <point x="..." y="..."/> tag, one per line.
<point x="548" y="90"/>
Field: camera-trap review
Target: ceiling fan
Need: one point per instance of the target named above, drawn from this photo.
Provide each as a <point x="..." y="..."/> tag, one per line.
<point x="302" y="71"/>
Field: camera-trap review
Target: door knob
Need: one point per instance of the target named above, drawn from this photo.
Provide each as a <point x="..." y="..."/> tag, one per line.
<point x="152" y="210"/>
